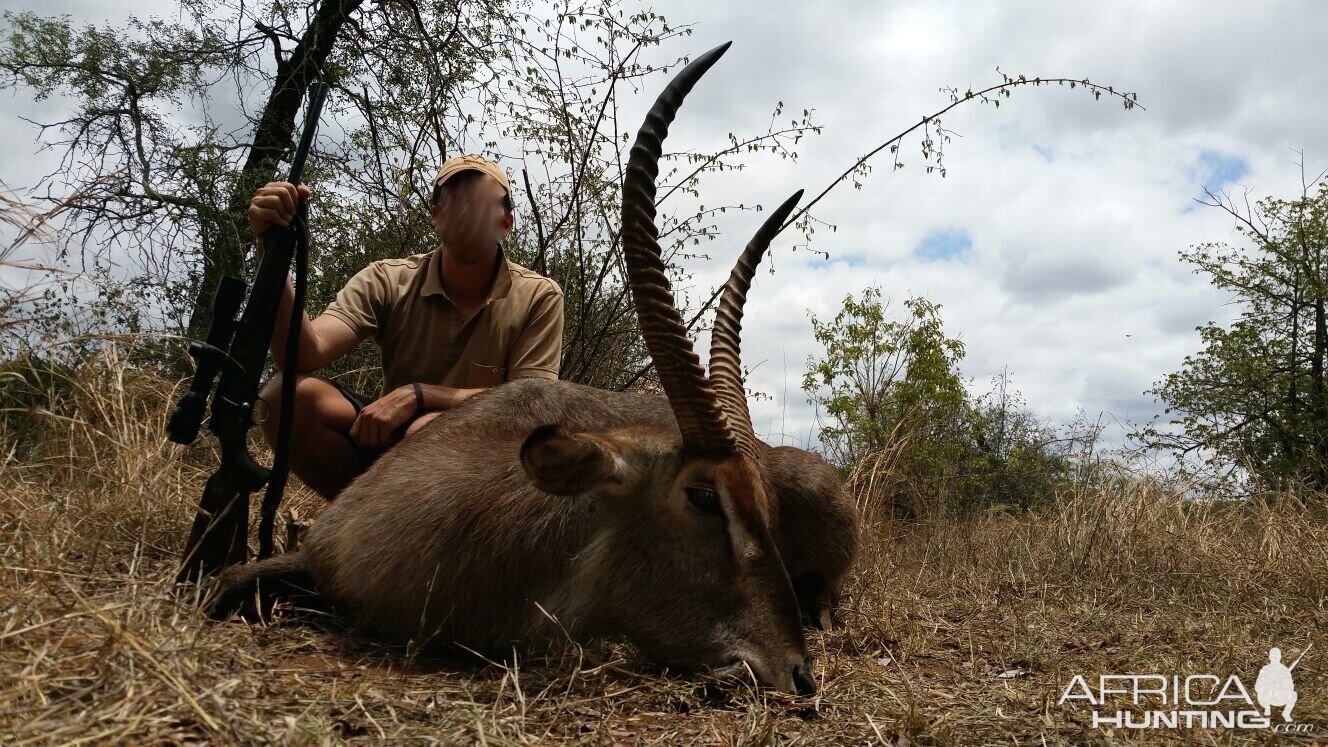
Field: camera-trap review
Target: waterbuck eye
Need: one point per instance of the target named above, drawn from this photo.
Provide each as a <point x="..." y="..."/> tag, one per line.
<point x="704" y="498"/>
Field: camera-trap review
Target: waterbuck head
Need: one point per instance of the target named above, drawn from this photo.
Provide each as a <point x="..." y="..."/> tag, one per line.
<point x="687" y="567"/>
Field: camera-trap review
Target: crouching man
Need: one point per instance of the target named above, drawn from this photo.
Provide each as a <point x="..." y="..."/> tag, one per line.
<point x="450" y="323"/>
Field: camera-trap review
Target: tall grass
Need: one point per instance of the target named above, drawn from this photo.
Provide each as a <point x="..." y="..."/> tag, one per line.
<point x="956" y="630"/>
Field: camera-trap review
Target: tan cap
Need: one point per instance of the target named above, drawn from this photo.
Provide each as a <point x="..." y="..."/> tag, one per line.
<point x="453" y="166"/>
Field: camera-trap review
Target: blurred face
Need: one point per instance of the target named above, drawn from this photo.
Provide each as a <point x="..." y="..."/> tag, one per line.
<point x="470" y="218"/>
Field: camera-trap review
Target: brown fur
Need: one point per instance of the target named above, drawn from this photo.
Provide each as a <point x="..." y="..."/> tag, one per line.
<point x="448" y="539"/>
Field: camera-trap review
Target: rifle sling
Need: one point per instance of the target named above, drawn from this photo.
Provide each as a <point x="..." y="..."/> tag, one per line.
<point x="276" y="484"/>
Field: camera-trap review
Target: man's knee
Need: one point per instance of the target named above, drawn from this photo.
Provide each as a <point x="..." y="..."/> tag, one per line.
<point x="311" y="404"/>
<point x="420" y="422"/>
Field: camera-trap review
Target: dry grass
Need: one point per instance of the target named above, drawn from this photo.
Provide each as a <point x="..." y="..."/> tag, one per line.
<point x="956" y="633"/>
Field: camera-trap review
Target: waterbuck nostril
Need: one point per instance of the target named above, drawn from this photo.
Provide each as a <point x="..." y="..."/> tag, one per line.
<point x="802" y="680"/>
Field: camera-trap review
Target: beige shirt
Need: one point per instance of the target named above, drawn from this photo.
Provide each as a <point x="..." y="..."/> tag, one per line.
<point x="517" y="333"/>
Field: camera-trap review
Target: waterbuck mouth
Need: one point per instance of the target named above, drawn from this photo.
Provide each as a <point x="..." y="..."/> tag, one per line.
<point x="798" y="680"/>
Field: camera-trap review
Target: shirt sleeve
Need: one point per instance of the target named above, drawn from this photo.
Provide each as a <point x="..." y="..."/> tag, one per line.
<point x="363" y="303"/>
<point x="538" y="350"/>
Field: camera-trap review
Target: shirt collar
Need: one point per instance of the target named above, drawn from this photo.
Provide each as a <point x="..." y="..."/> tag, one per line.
<point x="432" y="285"/>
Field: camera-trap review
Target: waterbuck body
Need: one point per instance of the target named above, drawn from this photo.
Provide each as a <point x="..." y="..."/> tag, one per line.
<point x="541" y="511"/>
<point x="453" y="517"/>
<point x="446" y="540"/>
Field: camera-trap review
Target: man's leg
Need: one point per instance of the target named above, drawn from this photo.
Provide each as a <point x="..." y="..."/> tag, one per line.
<point x="1291" y="703"/>
<point x="420" y="422"/>
<point x="322" y="454"/>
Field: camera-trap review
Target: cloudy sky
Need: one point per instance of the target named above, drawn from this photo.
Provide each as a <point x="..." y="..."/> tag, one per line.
<point x="1052" y="242"/>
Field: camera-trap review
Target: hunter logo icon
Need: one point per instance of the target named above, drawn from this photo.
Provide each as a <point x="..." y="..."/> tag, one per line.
<point x="1197" y="699"/>
<point x="1274" y="686"/>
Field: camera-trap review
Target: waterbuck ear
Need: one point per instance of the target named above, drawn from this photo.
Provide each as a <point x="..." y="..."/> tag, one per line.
<point x="564" y="463"/>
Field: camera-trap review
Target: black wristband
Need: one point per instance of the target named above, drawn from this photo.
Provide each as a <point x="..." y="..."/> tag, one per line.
<point x="419" y="398"/>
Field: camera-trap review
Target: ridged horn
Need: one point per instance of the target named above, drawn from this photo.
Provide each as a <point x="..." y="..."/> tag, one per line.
<point x="726" y="334"/>
<point x="695" y="405"/>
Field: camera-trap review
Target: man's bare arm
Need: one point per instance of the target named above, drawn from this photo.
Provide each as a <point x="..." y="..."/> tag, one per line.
<point x="322" y="340"/>
<point x="378" y="421"/>
<point x="439" y="397"/>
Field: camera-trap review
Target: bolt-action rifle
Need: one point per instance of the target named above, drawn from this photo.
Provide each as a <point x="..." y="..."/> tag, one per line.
<point x="234" y="355"/>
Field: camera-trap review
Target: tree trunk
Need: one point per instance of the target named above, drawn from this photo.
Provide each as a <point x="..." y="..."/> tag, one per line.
<point x="273" y="137"/>
<point x="1319" y="405"/>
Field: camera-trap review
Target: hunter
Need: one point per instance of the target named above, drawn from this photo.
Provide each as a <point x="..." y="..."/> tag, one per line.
<point x="450" y="323"/>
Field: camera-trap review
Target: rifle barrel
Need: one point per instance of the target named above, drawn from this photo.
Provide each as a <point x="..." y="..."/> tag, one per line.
<point x="317" y="93"/>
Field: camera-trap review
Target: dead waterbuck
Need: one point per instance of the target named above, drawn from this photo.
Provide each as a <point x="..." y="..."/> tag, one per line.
<point x="662" y="520"/>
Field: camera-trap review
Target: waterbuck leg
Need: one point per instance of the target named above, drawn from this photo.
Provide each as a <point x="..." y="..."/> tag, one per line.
<point x="251" y="590"/>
